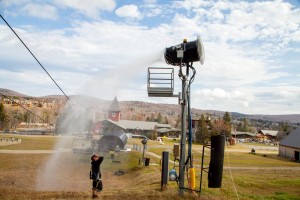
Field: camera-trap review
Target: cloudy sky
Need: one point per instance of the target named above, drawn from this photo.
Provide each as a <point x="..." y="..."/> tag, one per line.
<point x="103" y="48"/>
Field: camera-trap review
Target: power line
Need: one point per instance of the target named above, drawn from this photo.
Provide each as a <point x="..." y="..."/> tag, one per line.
<point x="33" y="56"/>
<point x="22" y="107"/>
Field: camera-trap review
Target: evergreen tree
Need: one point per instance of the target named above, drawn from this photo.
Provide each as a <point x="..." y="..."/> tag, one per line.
<point x="178" y="122"/>
<point x="46" y="117"/>
<point x="159" y="118"/>
<point x="245" y="125"/>
<point x="202" y="133"/>
<point x="239" y="127"/>
<point x="152" y="118"/>
<point x="227" y="118"/>
<point x="26" y="117"/>
<point x="3" y="118"/>
<point x="284" y="127"/>
<point x="227" y="123"/>
<point x="166" y="120"/>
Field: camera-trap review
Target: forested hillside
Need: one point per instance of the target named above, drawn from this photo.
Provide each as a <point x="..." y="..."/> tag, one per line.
<point x="19" y="107"/>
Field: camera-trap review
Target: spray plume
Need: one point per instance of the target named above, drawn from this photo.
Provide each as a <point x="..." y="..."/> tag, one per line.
<point x="80" y="112"/>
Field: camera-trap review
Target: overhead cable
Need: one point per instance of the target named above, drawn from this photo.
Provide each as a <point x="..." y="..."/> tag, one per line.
<point x="33" y="56"/>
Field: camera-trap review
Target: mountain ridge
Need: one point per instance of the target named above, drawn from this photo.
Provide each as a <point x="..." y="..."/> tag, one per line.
<point x="174" y="108"/>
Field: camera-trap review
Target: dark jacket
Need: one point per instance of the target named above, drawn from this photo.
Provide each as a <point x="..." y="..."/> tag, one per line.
<point x="95" y="169"/>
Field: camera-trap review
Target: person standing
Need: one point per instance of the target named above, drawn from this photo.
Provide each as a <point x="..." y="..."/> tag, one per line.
<point x="95" y="174"/>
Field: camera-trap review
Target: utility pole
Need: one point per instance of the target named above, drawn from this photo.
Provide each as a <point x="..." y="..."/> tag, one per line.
<point x="183" y="134"/>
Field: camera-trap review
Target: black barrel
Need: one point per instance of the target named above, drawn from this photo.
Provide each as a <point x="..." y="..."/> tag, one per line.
<point x="147" y="161"/>
<point x="216" y="161"/>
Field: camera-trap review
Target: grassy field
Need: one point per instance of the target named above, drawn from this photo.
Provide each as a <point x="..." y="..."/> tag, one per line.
<point x="260" y="176"/>
<point x="30" y="142"/>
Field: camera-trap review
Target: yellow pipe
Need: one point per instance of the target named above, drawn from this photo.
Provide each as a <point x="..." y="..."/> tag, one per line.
<point x="192" y="178"/>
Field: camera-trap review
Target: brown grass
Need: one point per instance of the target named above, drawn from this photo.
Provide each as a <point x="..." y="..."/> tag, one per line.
<point x="30" y="142"/>
<point x="19" y="176"/>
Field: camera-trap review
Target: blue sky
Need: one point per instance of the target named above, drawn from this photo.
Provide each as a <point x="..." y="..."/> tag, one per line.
<point x="103" y="49"/>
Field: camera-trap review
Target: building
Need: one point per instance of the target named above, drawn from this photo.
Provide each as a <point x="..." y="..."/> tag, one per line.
<point x="269" y="134"/>
<point x="289" y="147"/>
<point x="168" y="132"/>
<point x="260" y="137"/>
<point x="114" y="122"/>
<point x="243" y="136"/>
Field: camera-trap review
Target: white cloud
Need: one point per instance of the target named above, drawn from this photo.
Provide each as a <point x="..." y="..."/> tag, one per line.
<point x="288" y="94"/>
<point x="40" y="11"/>
<point x="251" y="100"/>
<point x="38" y="83"/>
<point x="191" y="4"/>
<point x="221" y="94"/>
<point x="7" y="3"/>
<point x="274" y="23"/>
<point x="95" y="56"/>
<point x="130" y="11"/>
<point x="151" y="10"/>
<point x="32" y="78"/>
<point x="90" y="8"/>
<point x="231" y="66"/>
<point x="150" y="1"/>
<point x="220" y="99"/>
<point x="85" y="53"/>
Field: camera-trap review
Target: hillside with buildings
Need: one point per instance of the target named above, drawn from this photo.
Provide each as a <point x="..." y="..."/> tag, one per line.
<point x="19" y="108"/>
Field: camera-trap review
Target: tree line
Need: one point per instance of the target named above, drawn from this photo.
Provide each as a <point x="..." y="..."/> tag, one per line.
<point x="10" y="118"/>
<point x="206" y="127"/>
